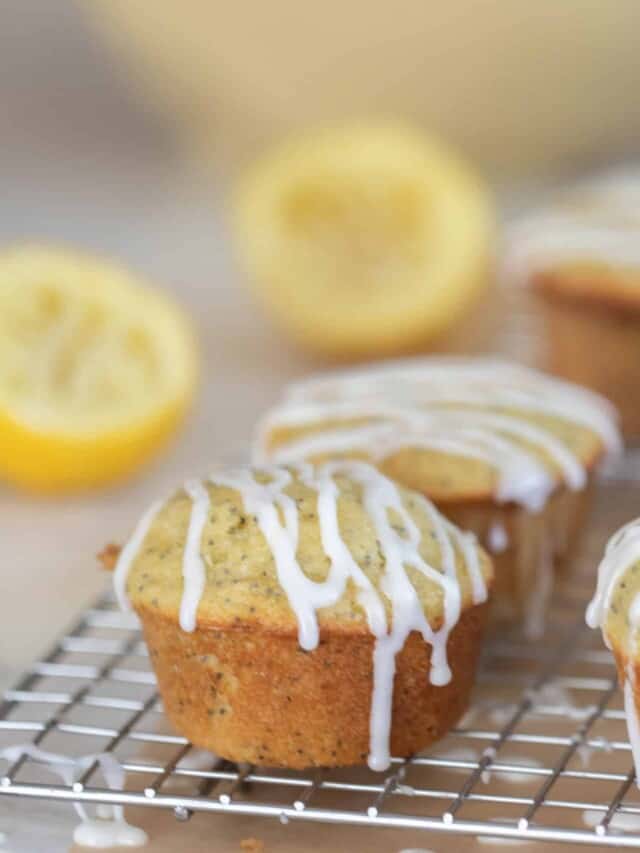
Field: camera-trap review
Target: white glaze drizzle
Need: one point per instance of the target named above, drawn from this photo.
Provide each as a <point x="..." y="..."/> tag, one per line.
<point x="535" y="614"/>
<point x="128" y="554"/>
<point x="481" y="381"/>
<point x="193" y="570"/>
<point x="447" y="405"/>
<point x="380" y="496"/>
<point x="468" y="545"/>
<point x="456" y="407"/>
<point x="109" y="828"/>
<point x="305" y="596"/>
<point x="497" y="538"/>
<point x="276" y="513"/>
<point x="602" y="224"/>
<point x="621" y="553"/>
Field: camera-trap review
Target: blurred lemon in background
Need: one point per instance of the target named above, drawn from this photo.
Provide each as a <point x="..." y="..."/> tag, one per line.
<point x="365" y="239"/>
<point x="96" y="370"/>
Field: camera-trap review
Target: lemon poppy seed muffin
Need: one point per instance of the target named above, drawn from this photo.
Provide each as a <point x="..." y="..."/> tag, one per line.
<point x="502" y="450"/>
<point x="615" y="609"/>
<point x="581" y="260"/>
<point x="307" y="616"/>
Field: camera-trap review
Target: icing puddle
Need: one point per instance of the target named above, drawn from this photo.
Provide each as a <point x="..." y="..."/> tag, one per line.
<point x="586" y="751"/>
<point x="550" y="699"/>
<point x="458" y="753"/>
<point x="108" y="828"/>
<point x="416" y="850"/>
<point x="499" y="840"/>
<point x="621" y="822"/>
<point x="512" y="776"/>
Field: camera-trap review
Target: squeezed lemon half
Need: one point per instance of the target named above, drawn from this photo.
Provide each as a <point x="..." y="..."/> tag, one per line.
<point x="366" y="239"/>
<point x="96" y="370"/>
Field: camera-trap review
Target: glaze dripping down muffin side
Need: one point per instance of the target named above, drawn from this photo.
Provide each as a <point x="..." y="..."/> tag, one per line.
<point x="615" y="609"/>
<point x="502" y="450"/>
<point x="300" y="616"/>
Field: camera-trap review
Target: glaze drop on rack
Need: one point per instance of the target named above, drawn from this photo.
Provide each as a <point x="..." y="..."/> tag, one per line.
<point x="109" y="828"/>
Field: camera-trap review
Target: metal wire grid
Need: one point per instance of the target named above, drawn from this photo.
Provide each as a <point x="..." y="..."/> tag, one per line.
<point x="514" y="767"/>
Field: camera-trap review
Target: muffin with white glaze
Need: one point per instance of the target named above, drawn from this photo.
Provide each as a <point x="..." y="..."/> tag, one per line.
<point x="615" y="609"/>
<point x="581" y="260"/>
<point x="502" y="450"/>
<point x="307" y="616"/>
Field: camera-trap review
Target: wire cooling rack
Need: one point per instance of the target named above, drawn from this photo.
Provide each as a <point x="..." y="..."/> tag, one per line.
<point x="541" y="755"/>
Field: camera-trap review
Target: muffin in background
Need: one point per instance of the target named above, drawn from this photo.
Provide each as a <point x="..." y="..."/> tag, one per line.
<point x="299" y="617"/>
<point x="581" y="260"/>
<point x="502" y="450"/>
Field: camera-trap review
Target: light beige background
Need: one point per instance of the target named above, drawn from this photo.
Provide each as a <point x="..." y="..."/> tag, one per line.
<point x="519" y="85"/>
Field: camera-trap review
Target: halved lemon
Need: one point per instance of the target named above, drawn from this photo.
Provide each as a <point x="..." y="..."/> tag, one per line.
<point x="366" y="239"/>
<point x="96" y="370"/>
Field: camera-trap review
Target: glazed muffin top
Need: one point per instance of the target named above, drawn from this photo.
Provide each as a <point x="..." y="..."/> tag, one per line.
<point x="454" y="429"/>
<point x="335" y="550"/>
<point x="615" y="607"/>
<point x="339" y="547"/>
<point x="586" y="247"/>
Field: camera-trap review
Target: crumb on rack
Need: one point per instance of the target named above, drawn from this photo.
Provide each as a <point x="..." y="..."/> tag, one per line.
<point x="253" y="845"/>
<point x="109" y="556"/>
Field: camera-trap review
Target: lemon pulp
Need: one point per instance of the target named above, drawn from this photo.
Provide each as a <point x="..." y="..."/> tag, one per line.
<point x="366" y="239"/>
<point x="96" y="370"/>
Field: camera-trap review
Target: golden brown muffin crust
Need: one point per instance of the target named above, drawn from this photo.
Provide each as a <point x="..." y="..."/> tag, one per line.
<point x="258" y="697"/>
